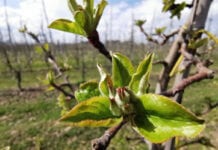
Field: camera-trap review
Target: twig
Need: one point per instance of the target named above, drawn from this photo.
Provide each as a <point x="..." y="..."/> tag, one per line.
<point x="95" y="41"/>
<point x="164" y="36"/>
<point x="49" y="57"/>
<point x="103" y="142"/>
<point x="201" y="140"/>
<point x="167" y="37"/>
<point x="59" y="88"/>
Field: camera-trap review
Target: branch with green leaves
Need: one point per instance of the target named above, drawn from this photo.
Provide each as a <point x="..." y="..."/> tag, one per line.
<point x="124" y="95"/>
<point x="158" y="32"/>
<point x="86" y="20"/>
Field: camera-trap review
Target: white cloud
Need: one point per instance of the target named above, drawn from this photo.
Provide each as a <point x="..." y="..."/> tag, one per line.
<point x="116" y="22"/>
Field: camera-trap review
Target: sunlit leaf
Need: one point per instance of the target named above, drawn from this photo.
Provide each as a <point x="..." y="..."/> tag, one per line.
<point x="122" y="70"/>
<point x="50" y="77"/>
<point x="67" y="26"/>
<point x="158" y="118"/>
<point x="176" y="66"/>
<point x="160" y="30"/>
<point x="80" y="18"/>
<point x="99" y="11"/>
<point x="87" y="90"/>
<point x="92" y="112"/>
<point x="105" y="82"/>
<point x="139" y="81"/>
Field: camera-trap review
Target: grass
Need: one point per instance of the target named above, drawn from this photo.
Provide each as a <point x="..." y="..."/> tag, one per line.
<point x="28" y="120"/>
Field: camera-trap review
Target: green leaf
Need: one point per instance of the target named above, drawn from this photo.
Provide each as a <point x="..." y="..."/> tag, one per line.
<point x="139" y="81"/>
<point x="140" y="22"/>
<point x="99" y="11"/>
<point x="87" y="90"/>
<point x="67" y="26"/>
<point x="80" y="18"/>
<point x="105" y="84"/>
<point x="50" y="77"/>
<point x="94" y="112"/>
<point x="89" y="6"/>
<point x="177" y="10"/>
<point x="72" y="4"/>
<point x="198" y="43"/>
<point x="176" y="66"/>
<point x="122" y="70"/>
<point x="159" y="118"/>
<point x="160" y="31"/>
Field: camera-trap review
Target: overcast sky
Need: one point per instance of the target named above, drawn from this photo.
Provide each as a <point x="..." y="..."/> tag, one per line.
<point x="116" y="22"/>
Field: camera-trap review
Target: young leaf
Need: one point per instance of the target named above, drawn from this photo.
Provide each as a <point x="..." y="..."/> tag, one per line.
<point x="158" y="118"/>
<point x="67" y="26"/>
<point x="140" y="22"/>
<point x="89" y="6"/>
<point x="80" y="18"/>
<point x="176" y="66"/>
<point x="196" y="44"/>
<point x="73" y="5"/>
<point x="86" y="91"/>
<point x="99" y="11"/>
<point x="139" y="81"/>
<point x="122" y="70"/>
<point x="93" y="112"/>
<point x="160" y="31"/>
<point x="105" y="84"/>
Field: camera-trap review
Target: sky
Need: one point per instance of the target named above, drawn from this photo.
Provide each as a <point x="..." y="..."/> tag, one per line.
<point x="116" y="23"/>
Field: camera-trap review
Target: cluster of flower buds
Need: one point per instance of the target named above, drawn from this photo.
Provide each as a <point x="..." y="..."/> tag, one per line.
<point x="121" y="102"/>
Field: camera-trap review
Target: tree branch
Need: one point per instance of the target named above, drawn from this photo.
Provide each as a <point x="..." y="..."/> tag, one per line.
<point x="49" y="57"/>
<point x="95" y="41"/>
<point x="59" y="88"/>
<point x="103" y="142"/>
<point x="203" y="73"/>
<point x="163" y="36"/>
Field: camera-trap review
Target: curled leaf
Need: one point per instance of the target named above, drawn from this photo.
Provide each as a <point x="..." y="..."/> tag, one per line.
<point x="122" y="70"/>
<point x="139" y="81"/>
<point x="105" y="84"/>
